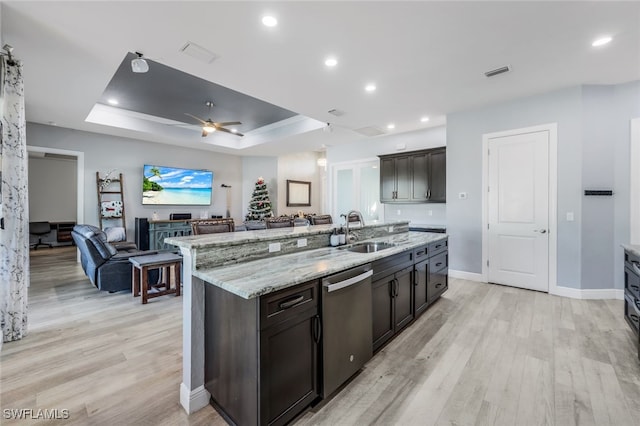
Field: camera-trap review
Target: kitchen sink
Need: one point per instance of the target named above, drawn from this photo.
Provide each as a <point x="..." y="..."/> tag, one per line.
<point x="370" y="247"/>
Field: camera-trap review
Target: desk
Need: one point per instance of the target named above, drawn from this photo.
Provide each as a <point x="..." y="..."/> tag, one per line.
<point x="163" y="261"/>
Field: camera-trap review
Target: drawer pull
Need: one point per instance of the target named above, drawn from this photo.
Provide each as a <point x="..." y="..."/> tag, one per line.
<point x="637" y="303"/>
<point x="438" y="264"/>
<point x="438" y="285"/>
<point x="438" y="246"/>
<point x="634" y="317"/>
<point x="420" y="253"/>
<point x="635" y="287"/>
<point x="291" y="302"/>
<point x="635" y="267"/>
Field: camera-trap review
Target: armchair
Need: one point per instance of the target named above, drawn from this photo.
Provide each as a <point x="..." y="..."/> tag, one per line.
<point x="108" y="268"/>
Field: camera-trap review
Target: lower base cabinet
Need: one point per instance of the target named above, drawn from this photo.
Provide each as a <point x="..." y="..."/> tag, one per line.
<point x="392" y="297"/>
<point x="262" y="355"/>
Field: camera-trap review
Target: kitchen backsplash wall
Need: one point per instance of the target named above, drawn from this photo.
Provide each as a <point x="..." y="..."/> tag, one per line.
<point x="431" y="214"/>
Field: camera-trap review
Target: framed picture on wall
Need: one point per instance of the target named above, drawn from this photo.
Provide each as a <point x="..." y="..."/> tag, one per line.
<point x="298" y="193"/>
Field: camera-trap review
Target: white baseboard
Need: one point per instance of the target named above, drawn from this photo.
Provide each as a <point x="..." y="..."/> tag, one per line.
<point x="193" y="400"/>
<point x="577" y="293"/>
<point x="464" y="275"/>
<point x="574" y="293"/>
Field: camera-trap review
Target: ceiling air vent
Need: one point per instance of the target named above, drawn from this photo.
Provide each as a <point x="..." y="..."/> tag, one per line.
<point x="370" y="131"/>
<point x="497" y="71"/>
<point x="198" y="52"/>
<point x="336" y="112"/>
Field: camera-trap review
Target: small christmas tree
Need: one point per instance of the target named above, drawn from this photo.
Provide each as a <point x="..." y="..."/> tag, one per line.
<point x="259" y="206"/>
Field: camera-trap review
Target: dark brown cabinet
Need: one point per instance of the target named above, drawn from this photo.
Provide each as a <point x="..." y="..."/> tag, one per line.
<point x="414" y="177"/>
<point x="392" y="297"/>
<point x="430" y="274"/>
<point x="289" y="367"/>
<point x="397" y="185"/>
<point x="421" y="280"/>
<point x="262" y="355"/>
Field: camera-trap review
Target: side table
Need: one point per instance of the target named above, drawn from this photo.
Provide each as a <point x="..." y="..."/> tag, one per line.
<point x="163" y="261"/>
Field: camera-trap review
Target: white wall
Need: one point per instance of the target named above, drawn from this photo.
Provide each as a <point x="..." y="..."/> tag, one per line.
<point x="302" y="166"/>
<point x="52" y="190"/>
<point x="128" y="156"/>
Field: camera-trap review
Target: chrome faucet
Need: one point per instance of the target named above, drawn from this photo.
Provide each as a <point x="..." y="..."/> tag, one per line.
<point x="350" y="237"/>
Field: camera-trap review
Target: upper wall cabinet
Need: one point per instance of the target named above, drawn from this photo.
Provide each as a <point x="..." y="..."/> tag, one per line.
<point x="414" y="177"/>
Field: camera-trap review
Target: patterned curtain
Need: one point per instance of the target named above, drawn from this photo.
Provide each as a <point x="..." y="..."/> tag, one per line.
<point x="14" y="238"/>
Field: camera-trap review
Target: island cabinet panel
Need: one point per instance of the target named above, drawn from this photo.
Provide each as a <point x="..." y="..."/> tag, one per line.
<point x="262" y="355"/>
<point x="421" y="278"/>
<point x="392" y="296"/>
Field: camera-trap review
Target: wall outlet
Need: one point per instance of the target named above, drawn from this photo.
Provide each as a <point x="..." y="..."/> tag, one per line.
<point x="391" y="228"/>
<point x="569" y="216"/>
<point x="273" y="247"/>
<point x="398" y="212"/>
<point x="462" y="195"/>
<point x="302" y="242"/>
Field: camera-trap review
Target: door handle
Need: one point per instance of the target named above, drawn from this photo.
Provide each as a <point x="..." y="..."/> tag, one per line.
<point x="291" y="302"/>
<point x="317" y="329"/>
<point x="542" y="231"/>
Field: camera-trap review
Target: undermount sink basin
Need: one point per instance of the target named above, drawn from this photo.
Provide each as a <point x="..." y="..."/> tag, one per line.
<point x="370" y="247"/>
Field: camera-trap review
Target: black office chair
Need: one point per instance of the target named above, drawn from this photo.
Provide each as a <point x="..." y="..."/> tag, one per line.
<point x="38" y="229"/>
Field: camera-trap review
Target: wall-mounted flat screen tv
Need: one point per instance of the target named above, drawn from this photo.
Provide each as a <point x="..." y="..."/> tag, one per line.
<point x="175" y="186"/>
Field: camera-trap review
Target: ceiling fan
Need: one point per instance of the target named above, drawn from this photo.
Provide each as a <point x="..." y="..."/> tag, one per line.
<point x="210" y="126"/>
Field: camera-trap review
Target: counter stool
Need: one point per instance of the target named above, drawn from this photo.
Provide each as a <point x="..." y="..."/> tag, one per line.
<point x="163" y="261"/>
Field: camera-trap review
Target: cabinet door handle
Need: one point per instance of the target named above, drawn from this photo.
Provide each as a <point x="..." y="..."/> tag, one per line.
<point x="317" y="329"/>
<point x="637" y="303"/>
<point x="397" y="287"/>
<point x="438" y="285"/>
<point x="635" y="267"/>
<point x="291" y="302"/>
<point x="634" y="317"/>
<point x="416" y="280"/>
<point x="428" y="193"/>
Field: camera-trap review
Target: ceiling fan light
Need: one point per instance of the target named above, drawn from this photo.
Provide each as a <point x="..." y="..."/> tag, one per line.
<point x="139" y="65"/>
<point x="208" y="129"/>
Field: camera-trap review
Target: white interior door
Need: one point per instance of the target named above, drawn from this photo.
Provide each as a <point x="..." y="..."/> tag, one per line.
<point x="356" y="186"/>
<point x="518" y="210"/>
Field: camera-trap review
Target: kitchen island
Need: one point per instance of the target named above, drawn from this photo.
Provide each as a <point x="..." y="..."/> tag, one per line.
<point x="238" y="275"/>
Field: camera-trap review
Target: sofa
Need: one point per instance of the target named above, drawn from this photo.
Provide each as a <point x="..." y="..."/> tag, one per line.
<point x="107" y="267"/>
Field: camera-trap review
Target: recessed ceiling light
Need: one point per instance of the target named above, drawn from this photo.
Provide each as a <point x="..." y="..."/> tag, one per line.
<point x="269" y="21"/>
<point x="391" y="126"/>
<point x="113" y="101"/>
<point x="424" y="119"/>
<point x="370" y="87"/>
<point x="331" y="62"/>
<point x="601" y="41"/>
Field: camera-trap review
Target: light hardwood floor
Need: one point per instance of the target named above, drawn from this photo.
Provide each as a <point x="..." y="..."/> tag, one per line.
<point x="482" y="355"/>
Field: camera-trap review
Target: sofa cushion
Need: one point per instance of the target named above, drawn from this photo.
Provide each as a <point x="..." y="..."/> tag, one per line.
<point x="105" y="249"/>
<point x="87" y="231"/>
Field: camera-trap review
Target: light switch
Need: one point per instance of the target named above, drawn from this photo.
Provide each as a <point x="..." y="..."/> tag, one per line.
<point x="302" y="242"/>
<point x="569" y="216"/>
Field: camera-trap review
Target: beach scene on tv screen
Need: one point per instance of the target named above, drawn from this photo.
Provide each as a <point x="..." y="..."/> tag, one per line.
<point x="172" y="185"/>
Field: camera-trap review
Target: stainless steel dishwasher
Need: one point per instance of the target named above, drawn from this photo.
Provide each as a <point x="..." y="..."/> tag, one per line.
<point x="346" y="324"/>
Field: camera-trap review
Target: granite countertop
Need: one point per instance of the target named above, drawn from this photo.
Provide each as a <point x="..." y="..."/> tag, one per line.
<point x="634" y="249"/>
<point x="258" y="277"/>
<point x="235" y="238"/>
